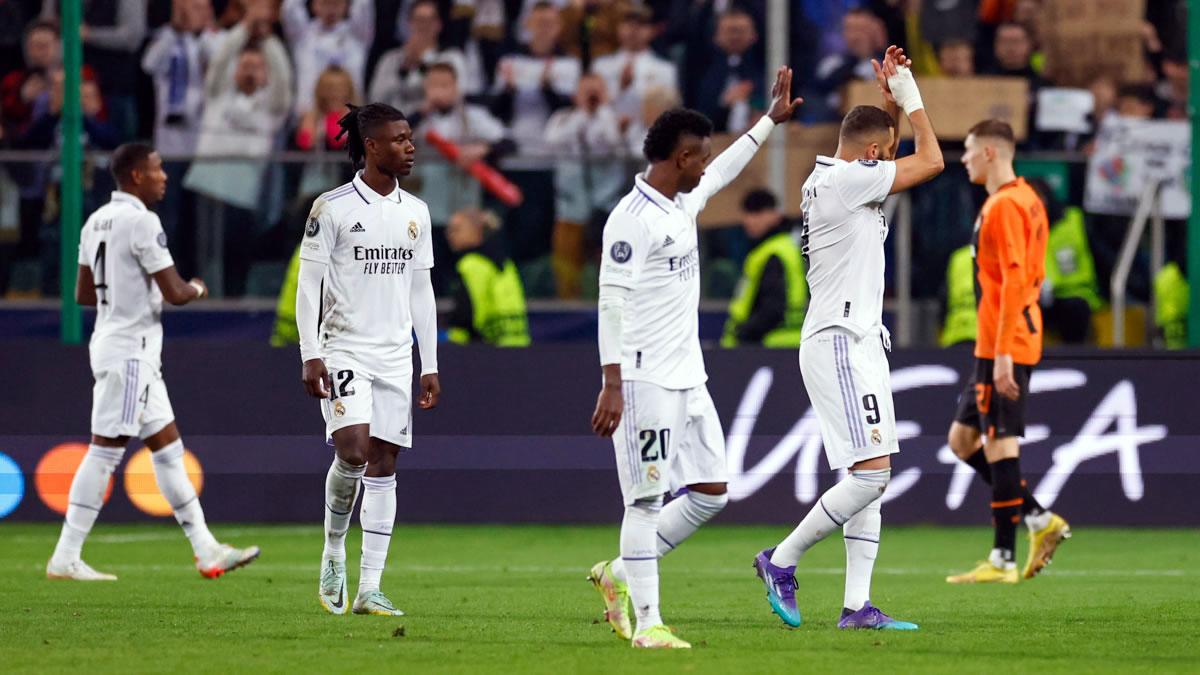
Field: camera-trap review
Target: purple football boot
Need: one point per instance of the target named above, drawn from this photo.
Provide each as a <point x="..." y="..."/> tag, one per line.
<point x="781" y="587"/>
<point x="872" y="618"/>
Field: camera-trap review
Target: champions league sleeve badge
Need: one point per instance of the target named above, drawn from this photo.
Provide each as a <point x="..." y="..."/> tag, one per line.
<point x="621" y="252"/>
<point x="312" y="227"/>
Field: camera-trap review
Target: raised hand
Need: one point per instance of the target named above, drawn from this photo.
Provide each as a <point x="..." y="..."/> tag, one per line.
<point x="783" y="106"/>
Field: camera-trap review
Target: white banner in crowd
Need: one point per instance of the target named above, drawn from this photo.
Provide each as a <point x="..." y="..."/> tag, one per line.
<point x="1130" y="153"/>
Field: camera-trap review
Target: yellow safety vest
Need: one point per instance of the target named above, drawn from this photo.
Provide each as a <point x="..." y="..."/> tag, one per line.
<point x="780" y="246"/>
<point x="497" y="302"/>
<point x="960" y="323"/>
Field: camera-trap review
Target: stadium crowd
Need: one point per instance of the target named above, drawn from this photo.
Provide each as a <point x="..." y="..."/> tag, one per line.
<point x="556" y="93"/>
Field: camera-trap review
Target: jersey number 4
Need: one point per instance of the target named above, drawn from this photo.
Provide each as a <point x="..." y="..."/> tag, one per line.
<point x="654" y="444"/>
<point x="98" y="271"/>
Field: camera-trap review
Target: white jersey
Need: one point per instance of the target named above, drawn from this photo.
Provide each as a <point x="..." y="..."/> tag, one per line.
<point x="842" y="240"/>
<point x="370" y="244"/>
<point x="651" y="249"/>
<point x="123" y="243"/>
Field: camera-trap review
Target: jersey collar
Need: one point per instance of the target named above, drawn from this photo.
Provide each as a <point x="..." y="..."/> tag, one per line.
<point x="121" y="196"/>
<point x="656" y="197"/>
<point x="370" y="196"/>
<point x="823" y="160"/>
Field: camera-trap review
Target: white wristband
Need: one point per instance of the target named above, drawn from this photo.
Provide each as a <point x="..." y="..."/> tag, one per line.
<point x="200" y="292"/>
<point x="761" y="129"/>
<point x="905" y="91"/>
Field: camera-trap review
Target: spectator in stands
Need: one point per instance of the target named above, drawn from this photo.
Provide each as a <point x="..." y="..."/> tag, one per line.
<point x="479" y="136"/>
<point x="956" y="58"/>
<point x="530" y="85"/>
<point x="45" y="133"/>
<point x="864" y="35"/>
<point x="1071" y="291"/>
<point x="590" y="28"/>
<point x="400" y="72"/>
<point x="1012" y="51"/>
<point x="112" y="33"/>
<point x="244" y="112"/>
<point x="318" y="132"/>
<point x="338" y="33"/>
<point x="588" y="180"/>
<point x="489" y="298"/>
<point x="176" y="60"/>
<point x="634" y="68"/>
<point x="1173" y="90"/>
<point x="768" y="306"/>
<point x="1136" y="101"/>
<point x="733" y="85"/>
<point x="21" y="89"/>
<point x="656" y="101"/>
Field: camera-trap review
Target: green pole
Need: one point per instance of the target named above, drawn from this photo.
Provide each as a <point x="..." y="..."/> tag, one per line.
<point x="71" y="190"/>
<point x="1193" y="239"/>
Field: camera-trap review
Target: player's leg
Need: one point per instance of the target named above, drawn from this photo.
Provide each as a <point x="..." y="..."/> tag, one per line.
<point x="347" y="415"/>
<point x="699" y="465"/>
<point x="351" y="445"/>
<point x="377" y="516"/>
<point x="84" y="501"/>
<point x="115" y="410"/>
<point x="644" y="443"/>
<point x="965" y="440"/>
<point x="391" y="430"/>
<point x="213" y="558"/>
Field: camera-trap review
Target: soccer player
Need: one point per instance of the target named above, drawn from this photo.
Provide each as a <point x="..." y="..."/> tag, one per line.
<point x="1010" y="253"/>
<point x="364" y="286"/>
<point x="653" y="402"/>
<point x="843" y="349"/>
<point x="125" y="272"/>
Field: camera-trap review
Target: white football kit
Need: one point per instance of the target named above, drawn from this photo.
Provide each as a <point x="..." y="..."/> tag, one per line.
<point x="123" y="244"/>
<point x="669" y="435"/>
<point x="370" y="244"/>
<point x="843" y="353"/>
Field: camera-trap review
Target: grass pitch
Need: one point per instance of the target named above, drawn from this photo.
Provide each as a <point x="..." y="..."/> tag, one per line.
<point x="514" y="599"/>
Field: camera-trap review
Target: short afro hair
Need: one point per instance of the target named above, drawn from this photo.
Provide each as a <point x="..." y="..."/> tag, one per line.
<point x="663" y="136"/>
<point x="127" y="158"/>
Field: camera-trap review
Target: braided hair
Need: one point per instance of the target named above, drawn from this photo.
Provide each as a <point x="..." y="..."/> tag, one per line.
<point x="360" y="122"/>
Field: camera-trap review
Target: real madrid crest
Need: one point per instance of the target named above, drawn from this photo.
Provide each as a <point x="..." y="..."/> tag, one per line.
<point x="339" y="409"/>
<point x="876" y="437"/>
<point x="652" y="473"/>
<point x="413" y="230"/>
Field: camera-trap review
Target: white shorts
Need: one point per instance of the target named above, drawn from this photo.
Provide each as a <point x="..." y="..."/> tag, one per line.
<point x="130" y="399"/>
<point x="667" y="439"/>
<point x="382" y="401"/>
<point x="849" y="383"/>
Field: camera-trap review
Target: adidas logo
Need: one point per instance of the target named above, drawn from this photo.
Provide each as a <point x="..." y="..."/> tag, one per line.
<point x="358" y="228"/>
<point x="669" y="241"/>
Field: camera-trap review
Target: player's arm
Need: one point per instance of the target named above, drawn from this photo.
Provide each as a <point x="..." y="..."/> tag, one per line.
<point x="175" y="290"/>
<point x="889" y="102"/>
<point x="424" y="318"/>
<point x="85" y="287"/>
<point x="927" y="161"/>
<point x="727" y="165"/>
<point x="320" y="237"/>
<point x="150" y="250"/>
<point x="610" y="403"/>
<point x="623" y="255"/>
<point x="1007" y="233"/>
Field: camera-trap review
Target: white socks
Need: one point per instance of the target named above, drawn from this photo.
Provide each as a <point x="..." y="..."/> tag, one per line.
<point x="377" y="517"/>
<point x="639" y="530"/>
<point x="173" y="483"/>
<point x="679" y="520"/>
<point x="861" y="534"/>
<point x="85" y="499"/>
<point x="341" y="490"/>
<point x="834" y="509"/>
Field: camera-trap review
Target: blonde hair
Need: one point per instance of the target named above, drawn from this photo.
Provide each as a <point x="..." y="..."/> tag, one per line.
<point x="334" y="76"/>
